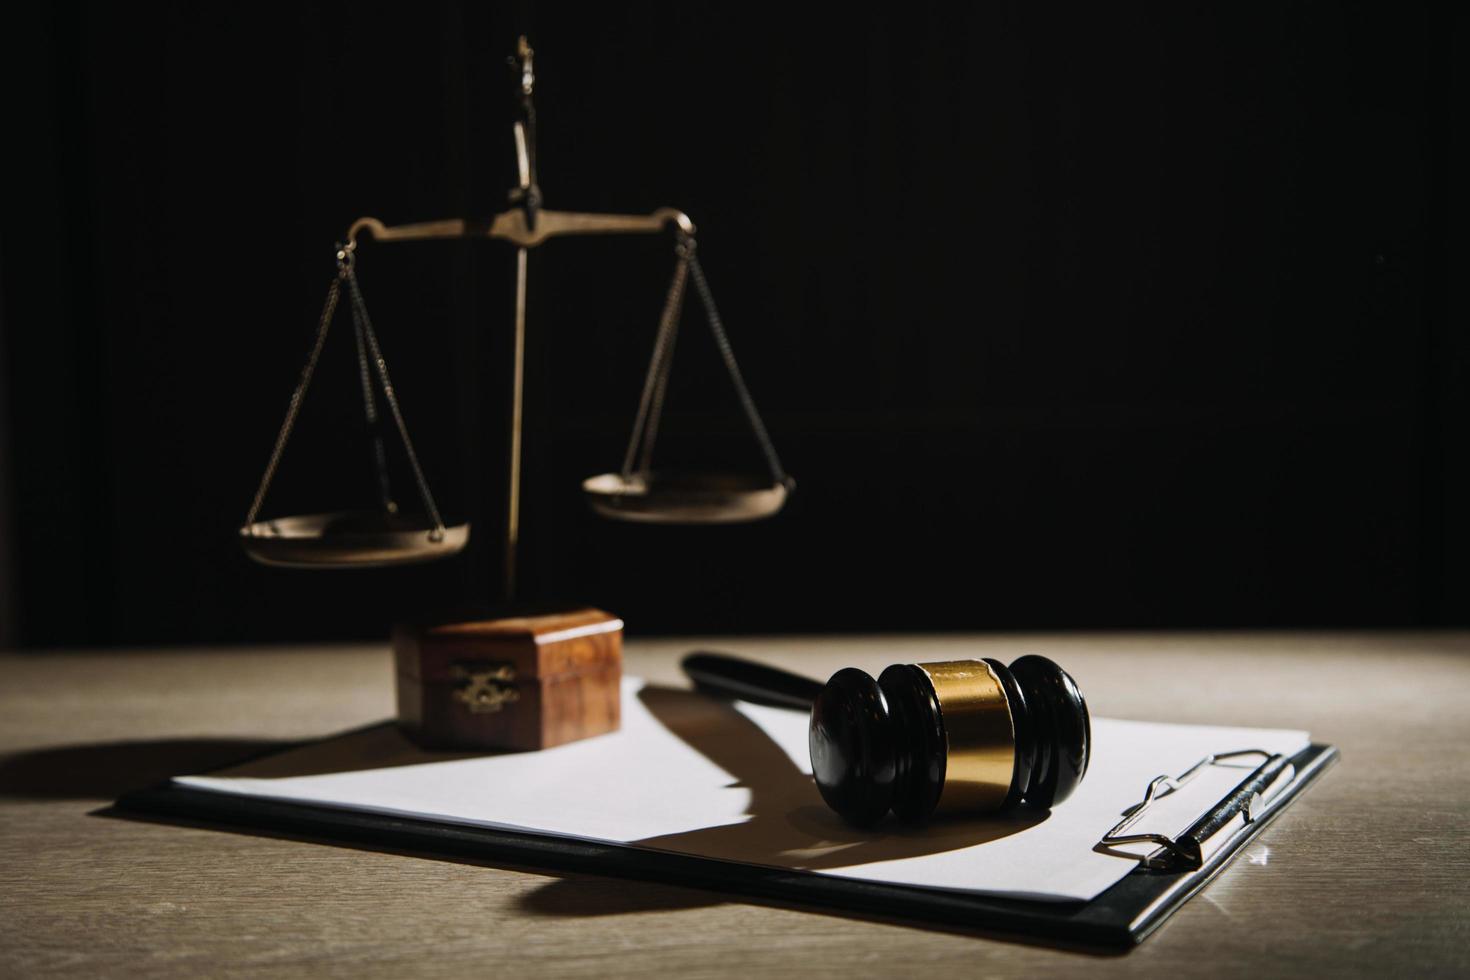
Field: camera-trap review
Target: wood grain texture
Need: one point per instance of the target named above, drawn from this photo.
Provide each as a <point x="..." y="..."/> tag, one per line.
<point x="1368" y="874"/>
<point x="562" y="672"/>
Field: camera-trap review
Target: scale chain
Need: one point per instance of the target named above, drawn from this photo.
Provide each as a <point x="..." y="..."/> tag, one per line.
<point x="368" y="344"/>
<point x="329" y="309"/>
<point x="661" y="386"/>
<point x="360" y="310"/>
<point x="655" y="385"/>
<point x="717" y="328"/>
<point x="370" y="411"/>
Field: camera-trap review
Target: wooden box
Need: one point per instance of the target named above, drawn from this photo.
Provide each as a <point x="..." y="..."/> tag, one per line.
<point x="521" y="682"/>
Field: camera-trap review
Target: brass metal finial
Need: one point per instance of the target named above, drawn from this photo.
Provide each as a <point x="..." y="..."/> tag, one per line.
<point x="525" y="53"/>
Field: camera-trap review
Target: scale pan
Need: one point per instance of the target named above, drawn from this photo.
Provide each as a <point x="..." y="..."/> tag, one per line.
<point x="349" y="539"/>
<point x="684" y="498"/>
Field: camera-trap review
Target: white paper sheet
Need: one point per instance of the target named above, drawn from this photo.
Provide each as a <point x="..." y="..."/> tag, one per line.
<point x="691" y="774"/>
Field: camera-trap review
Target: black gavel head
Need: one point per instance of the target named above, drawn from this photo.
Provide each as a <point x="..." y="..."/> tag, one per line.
<point x="963" y="736"/>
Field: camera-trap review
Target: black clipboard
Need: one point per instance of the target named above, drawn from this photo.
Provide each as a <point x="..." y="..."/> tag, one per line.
<point x="1120" y="917"/>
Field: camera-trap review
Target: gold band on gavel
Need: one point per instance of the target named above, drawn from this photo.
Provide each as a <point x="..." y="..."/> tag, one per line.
<point x="981" y="753"/>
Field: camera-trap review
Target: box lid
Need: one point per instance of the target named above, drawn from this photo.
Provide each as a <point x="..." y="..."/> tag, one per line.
<point x="541" y="645"/>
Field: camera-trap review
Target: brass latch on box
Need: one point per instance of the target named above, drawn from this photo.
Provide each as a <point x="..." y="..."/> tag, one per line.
<point x="485" y="688"/>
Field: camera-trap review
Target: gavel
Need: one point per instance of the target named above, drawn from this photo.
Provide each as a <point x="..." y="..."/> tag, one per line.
<point x="957" y="737"/>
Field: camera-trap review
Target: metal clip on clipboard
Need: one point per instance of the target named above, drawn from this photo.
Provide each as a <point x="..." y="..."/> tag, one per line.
<point x="1185" y="852"/>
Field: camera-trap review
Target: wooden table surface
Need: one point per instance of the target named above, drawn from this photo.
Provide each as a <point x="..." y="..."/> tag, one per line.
<point x="1368" y="873"/>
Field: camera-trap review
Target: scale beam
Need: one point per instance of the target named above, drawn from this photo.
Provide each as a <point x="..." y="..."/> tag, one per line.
<point x="525" y="227"/>
<point x="512" y="226"/>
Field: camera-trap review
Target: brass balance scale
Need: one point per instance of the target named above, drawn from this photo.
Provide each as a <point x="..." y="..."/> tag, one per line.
<point x="636" y="492"/>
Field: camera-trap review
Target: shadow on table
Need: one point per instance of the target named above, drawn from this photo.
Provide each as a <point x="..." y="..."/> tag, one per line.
<point x="110" y="769"/>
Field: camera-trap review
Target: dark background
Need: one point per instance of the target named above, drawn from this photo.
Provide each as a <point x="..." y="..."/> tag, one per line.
<point x="1093" y="317"/>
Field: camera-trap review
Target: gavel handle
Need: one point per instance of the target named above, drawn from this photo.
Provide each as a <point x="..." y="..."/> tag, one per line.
<point x="731" y="677"/>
